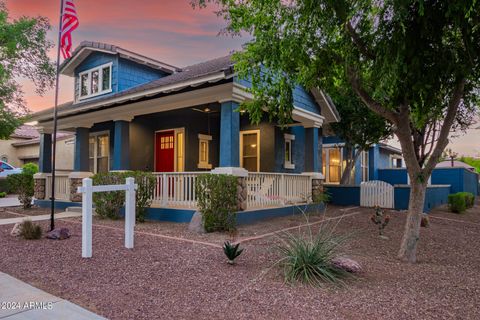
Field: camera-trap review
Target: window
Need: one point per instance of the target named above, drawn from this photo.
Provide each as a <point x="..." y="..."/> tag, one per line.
<point x="95" y="81"/>
<point x="288" y="164"/>
<point x="203" y="151"/>
<point x="99" y="152"/>
<point x="332" y="164"/>
<point x="396" y="161"/>
<point x="250" y="150"/>
<point x="364" y="165"/>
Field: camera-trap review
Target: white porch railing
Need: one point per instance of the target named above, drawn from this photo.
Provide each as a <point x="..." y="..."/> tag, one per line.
<point x="62" y="187"/>
<point x="175" y="189"/>
<point x="273" y="189"/>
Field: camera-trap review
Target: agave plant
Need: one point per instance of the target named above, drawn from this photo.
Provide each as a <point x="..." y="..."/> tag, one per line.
<point x="232" y="251"/>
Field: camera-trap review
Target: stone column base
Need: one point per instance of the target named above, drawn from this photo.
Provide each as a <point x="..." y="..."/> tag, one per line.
<point x="40" y="180"/>
<point x="75" y="179"/>
<point x="242" y="191"/>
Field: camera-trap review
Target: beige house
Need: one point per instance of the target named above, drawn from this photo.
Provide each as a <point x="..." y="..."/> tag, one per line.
<point x="24" y="147"/>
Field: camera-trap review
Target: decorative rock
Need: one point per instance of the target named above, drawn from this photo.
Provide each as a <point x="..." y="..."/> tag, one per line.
<point x="347" y="264"/>
<point x="196" y="224"/>
<point x="425" y="223"/>
<point x="16" y="230"/>
<point x="59" y="234"/>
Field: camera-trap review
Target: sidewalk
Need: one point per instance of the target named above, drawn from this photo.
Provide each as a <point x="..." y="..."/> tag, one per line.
<point x="9" y="201"/>
<point x="70" y="214"/>
<point x="21" y="301"/>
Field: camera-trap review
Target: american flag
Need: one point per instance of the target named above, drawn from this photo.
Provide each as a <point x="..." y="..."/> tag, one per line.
<point x="69" y="24"/>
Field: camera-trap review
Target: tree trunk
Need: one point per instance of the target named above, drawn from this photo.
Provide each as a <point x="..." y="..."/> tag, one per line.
<point x="408" y="248"/>
<point x="351" y="160"/>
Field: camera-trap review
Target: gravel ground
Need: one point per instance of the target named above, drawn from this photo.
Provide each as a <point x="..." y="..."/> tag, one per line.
<point x="170" y="279"/>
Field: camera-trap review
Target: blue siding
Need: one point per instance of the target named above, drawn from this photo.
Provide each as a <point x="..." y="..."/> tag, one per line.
<point x="298" y="149"/>
<point x="434" y="197"/>
<point x="393" y="176"/>
<point x="131" y="74"/>
<point x="460" y="179"/>
<point x="301" y="97"/>
<point x="344" y="195"/>
<point x="332" y="140"/>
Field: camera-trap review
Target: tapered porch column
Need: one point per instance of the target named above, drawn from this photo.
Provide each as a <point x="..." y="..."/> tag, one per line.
<point x="80" y="162"/>
<point x="373" y="159"/>
<point x="45" y="156"/>
<point x="229" y="135"/>
<point x="312" y="150"/>
<point x="121" y="146"/>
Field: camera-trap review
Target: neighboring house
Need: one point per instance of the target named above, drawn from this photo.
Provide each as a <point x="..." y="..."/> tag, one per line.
<point x="454" y="164"/>
<point x="379" y="156"/>
<point x="24" y="146"/>
<point x="131" y="112"/>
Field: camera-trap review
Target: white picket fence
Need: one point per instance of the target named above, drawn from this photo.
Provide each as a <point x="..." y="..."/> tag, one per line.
<point x="62" y="187"/>
<point x="273" y="189"/>
<point x="376" y="193"/>
<point x="175" y="189"/>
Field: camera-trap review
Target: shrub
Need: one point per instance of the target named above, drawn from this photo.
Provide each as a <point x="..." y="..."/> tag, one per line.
<point x="143" y="197"/>
<point x="459" y="202"/>
<point x="4" y="187"/>
<point x="108" y="204"/>
<point x="30" y="231"/>
<point x="308" y="257"/>
<point x="3" y="194"/>
<point x="217" y="201"/>
<point x="23" y="184"/>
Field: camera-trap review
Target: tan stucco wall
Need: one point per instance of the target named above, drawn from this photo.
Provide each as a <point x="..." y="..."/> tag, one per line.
<point x="6" y="149"/>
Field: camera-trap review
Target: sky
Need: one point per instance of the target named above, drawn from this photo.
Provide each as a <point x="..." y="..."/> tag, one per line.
<point x="167" y="30"/>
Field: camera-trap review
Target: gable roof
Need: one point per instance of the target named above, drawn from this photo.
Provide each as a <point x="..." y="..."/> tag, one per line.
<point x="456" y="164"/>
<point x="25" y="132"/>
<point x="86" y="47"/>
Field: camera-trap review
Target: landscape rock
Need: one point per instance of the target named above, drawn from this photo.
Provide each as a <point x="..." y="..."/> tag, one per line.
<point x="16" y="230"/>
<point x="59" y="234"/>
<point x="347" y="264"/>
<point x="196" y="224"/>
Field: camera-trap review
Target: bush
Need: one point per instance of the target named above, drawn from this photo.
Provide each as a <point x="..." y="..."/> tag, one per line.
<point x="4" y="185"/>
<point x="3" y="194"/>
<point x="459" y="202"/>
<point x="308" y="258"/>
<point x="23" y="184"/>
<point x="217" y="201"/>
<point x="30" y="231"/>
<point x="109" y="204"/>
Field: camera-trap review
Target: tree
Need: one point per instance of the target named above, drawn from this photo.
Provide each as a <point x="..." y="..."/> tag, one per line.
<point x="23" y="54"/>
<point x="359" y="128"/>
<point x="415" y="63"/>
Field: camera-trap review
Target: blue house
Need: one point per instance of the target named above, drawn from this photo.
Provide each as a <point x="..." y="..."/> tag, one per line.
<point x="132" y="112"/>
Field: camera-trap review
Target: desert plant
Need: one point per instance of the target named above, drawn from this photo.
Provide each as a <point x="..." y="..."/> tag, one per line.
<point x="380" y="219"/>
<point x="3" y="194"/>
<point x="459" y="202"/>
<point x="23" y="184"/>
<point x="217" y="201"/>
<point x="143" y="196"/>
<point x="232" y="251"/>
<point x="425" y="223"/>
<point x="108" y="204"/>
<point x="30" y="231"/>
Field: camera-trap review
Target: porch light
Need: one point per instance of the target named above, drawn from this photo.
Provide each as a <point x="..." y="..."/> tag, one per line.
<point x="253" y="145"/>
<point x="207" y="109"/>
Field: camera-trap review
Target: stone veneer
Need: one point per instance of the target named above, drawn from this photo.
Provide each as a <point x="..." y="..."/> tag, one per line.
<point x="242" y="194"/>
<point x="39" y="189"/>
<point x="317" y="188"/>
<point x="75" y="179"/>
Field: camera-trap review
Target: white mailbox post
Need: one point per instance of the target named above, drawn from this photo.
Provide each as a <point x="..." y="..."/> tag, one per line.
<point x="87" y="189"/>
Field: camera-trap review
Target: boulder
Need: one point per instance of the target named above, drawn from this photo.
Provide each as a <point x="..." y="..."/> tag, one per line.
<point x="196" y="224"/>
<point x="16" y="230"/>
<point x="347" y="264"/>
<point x="59" y="234"/>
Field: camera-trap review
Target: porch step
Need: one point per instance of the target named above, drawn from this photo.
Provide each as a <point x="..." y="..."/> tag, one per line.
<point x="73" y="209"/>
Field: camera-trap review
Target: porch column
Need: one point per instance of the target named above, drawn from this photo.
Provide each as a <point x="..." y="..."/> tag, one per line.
<point x="121" y="146"/>
<point x="80" y="162"/>
<point x="45" y="157"/>
<point x="373" y="162"/>
<point x="312" y="158"/>
<point x="229" y="135"/>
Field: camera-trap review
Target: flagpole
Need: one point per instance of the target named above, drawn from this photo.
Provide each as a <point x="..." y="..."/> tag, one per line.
<point x="55" y="113"/>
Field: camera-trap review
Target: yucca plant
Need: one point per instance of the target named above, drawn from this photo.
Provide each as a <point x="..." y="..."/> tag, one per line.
<point x="232" y="251"/>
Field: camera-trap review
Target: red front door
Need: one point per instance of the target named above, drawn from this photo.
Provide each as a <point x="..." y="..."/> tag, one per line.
<point x="165" y="151"/>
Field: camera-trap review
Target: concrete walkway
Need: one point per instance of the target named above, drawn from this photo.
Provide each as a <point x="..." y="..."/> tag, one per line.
<point x="9" y="201"/>
<point x="21" y="301"/>
<point x="70" y="214"/>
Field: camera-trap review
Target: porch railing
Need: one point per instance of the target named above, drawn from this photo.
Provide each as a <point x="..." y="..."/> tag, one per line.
<point x="62" y="187"/>
<point x="175" y="189"/>
<point x="273" y="189"/>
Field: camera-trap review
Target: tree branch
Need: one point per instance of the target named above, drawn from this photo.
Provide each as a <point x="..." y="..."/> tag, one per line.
<point x="362" y="47"/>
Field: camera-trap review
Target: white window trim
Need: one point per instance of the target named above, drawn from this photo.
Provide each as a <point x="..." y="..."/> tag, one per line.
<point x="395" y="156"/>
<point x="242" y="133"/>
<point x="204" y="164"/>
<point x="327" y="160"/>
<point x="95" y="149"/>
<point x="288" y="139"/>
<point x="100" y="81"/>
<point x="365" y="165"/>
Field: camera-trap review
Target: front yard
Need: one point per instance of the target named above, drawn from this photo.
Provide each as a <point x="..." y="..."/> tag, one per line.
<point x="169" y="278"/>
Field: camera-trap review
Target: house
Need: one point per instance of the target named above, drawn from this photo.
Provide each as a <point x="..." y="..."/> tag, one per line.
<point x="367" y="166"/>
<point x="132" y="112"/>
<point x="454" y="164"/>
<point x="24" y="145"/>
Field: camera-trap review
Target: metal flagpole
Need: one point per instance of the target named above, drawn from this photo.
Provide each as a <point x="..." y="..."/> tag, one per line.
<point x="54" y="142"/>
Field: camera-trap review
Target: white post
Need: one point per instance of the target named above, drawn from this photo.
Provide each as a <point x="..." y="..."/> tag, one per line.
<point x="87" y="218"/>
<point x="129" y="212"/>
<point x="165" y="185"/>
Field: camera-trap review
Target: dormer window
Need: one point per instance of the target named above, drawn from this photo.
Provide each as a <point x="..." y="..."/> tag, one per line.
<point x="96" y="81"/>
